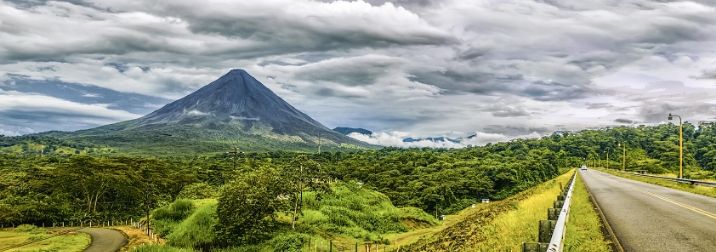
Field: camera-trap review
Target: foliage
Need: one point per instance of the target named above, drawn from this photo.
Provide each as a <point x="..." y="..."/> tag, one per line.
<point x="160" y="248"/>
<point x="199" y="190"/>
<point x="248" y="206"/>
<point x="176" y="211"/>
<point x="358" y="212"/>
<point x="497" y="226"/>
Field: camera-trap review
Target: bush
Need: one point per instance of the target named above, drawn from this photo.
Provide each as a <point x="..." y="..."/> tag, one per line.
<point x="176" y="211"/>
<point x="27" y="228"/>
<point x="289" y="242"/>
<point x="360" y="212"/>
<point x="159" y="248"/>
<point x="198" y="191"/>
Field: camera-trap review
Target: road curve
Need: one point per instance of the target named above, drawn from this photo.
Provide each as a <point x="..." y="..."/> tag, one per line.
<point x="104" y="240"/>
<point x="648" y="217"/>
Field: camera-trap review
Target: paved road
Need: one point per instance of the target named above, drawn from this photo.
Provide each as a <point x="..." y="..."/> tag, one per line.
<point x="647" y="217"/>
<point x="104" y="240"/>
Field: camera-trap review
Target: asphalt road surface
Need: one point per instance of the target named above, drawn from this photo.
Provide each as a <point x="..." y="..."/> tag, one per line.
<point x="648" y="217"/>
<point x="104" y="240"/>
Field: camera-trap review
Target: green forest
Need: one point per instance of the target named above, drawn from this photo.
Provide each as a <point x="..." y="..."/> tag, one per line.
<point x="284" y="199"/>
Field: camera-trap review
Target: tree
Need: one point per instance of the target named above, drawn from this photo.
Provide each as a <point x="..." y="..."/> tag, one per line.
<point x="303" y="173"/>
<point x="247" y="206"/>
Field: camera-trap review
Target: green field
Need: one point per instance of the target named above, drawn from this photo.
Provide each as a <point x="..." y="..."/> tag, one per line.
<point x="70" y="242"/>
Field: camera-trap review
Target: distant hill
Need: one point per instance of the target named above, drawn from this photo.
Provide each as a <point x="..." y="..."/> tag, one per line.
<point x="234" y="110"/>
<point x="348" y="130"/>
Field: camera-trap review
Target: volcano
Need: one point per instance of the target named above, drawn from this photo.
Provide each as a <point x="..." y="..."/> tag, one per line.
<point x="235" y="110"/>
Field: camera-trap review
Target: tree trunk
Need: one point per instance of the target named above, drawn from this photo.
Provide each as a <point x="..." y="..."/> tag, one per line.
<point x="295" y="208"/>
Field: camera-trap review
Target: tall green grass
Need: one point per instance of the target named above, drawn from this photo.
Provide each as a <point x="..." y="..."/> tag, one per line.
<point x="196" y="230"/>
<point x="584" y="229"/>
<point x="166" y="218"/>
<point x="186" y="223"/>
<point x="359" y="212"/>
<point x="160" y="248"/>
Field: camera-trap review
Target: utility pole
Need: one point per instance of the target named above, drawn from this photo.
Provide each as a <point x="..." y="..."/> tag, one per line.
<point x="235" y="152"/>
<point x="607" y="159"/>
<point x="681" y="145"/>
<point x="623" y="156"/>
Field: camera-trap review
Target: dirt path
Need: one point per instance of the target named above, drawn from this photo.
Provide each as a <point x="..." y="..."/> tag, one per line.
<point x="104" y="240"/>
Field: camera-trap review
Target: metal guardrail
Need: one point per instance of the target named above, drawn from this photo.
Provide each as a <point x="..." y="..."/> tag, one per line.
<point x="552" y="231"/>
<point x="685" y="181"/>
<point x="557" y="242"/>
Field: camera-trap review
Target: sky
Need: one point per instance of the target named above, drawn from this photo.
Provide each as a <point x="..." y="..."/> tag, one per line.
<point x="495" y="69"/>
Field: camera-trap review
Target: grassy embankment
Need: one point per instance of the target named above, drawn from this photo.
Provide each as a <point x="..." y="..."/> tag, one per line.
<point x="504" y="225"/>
<point x="703" y="190"/>
<point x="70" y="242"/>
<point x="497" y="226"/>
<point x="584" y="228"/>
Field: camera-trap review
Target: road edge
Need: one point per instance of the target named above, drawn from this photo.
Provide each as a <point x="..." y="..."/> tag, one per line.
<point x="606" y="228"/>
<point x="126" y="238"/>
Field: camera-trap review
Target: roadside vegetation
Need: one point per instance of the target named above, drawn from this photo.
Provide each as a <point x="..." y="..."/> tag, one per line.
<point x="40" y="239"/>
<point x="584" y="228"/>
<point x="697" y="189"/>
<point x="292" y="200"/>
<point x="498" y="226"/>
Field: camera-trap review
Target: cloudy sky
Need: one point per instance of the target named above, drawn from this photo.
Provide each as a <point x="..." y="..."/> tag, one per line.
<point x="499" y="69"/>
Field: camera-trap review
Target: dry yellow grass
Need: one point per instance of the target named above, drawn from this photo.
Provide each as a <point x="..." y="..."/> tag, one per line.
<point x="497" y="226"/>
<point x="509" y="230"/>
<point x="136" y="237"/>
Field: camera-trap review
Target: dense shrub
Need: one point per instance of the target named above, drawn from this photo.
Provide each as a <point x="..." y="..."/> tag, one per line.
<point x="160" y="248"/>
<point x="199" y="191"/>
<point x="176" y="211"/>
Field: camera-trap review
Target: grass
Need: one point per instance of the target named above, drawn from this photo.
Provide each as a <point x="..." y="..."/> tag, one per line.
<point x="195" y="230"/>
<point x="70" y="242"/>
<point x="350" y="214"/>
<point x="186" y="223"/>
<point x="360" y="213"/>
<point x="584" y="228"/>
<point x="136" y="238"/>
<point x="497" y="226"/>
<point x="703" y="190"/>
<point x="160" y="248"/>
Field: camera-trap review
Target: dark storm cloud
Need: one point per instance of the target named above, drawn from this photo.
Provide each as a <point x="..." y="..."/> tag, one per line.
<point x="495" y="84"/>
<point x="707" y="74"/>
<point x="624" y="121"/>
<point x="658" y="112"/>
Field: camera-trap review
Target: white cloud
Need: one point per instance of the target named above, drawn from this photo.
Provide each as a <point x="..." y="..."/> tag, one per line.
<point x="431" y="68"/>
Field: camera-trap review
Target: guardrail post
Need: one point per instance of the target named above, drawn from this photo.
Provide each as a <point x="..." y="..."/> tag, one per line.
<point x="553" y="213"/>
<point x="558" y="203"/>
<point x="545" y="230"/>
